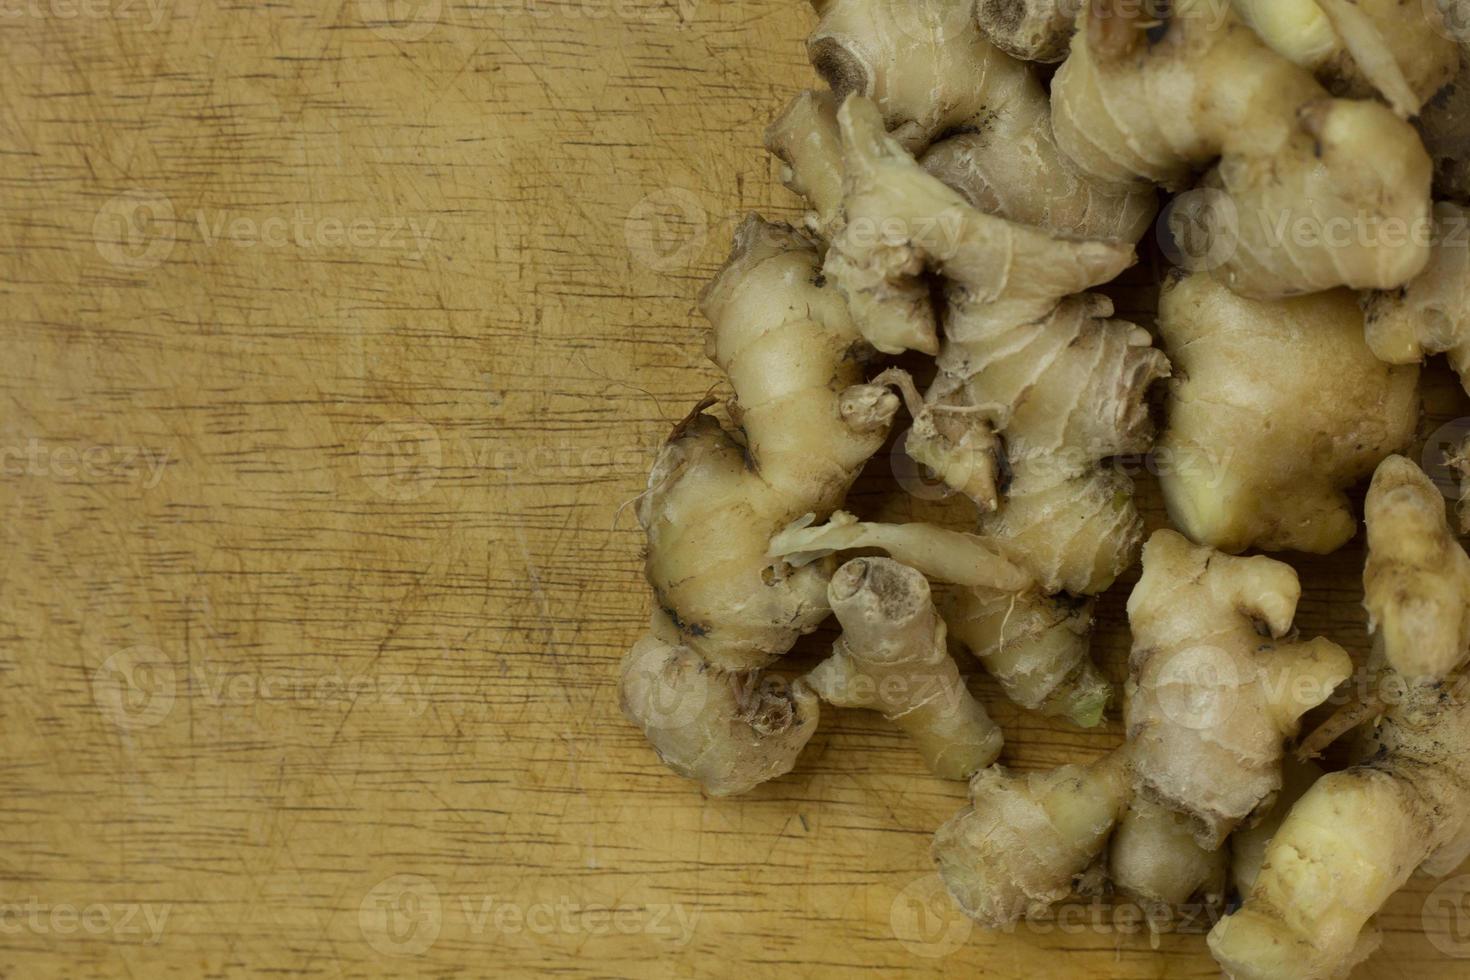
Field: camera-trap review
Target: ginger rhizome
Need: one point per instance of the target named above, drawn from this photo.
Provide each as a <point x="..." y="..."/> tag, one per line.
<point x="1209" y="704"/>
<point x="1276" y="409"/>
<point x="806" y="423"/>
<point x="1416" y="585"/>
<point x="892" y="658"/>
<point x="1032" y="30"/>
<point x="1020" y="845"/>
<point x="1033" y="644"/>
<point x="1353" y="840"/>
<point x="1360" y="48"/>
<point x="1248" y="844"/>
<point x="1355" y="837"/>
<point x="1062" y="384"/>
<point x="1431" y="315"/>
<point x="974" y="116"/>
<point x="1318" y="191"/>
<point x="1155" y="860"/>
<point x="1214" y="688"/>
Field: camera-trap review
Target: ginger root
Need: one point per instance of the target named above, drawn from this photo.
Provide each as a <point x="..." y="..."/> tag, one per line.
<point x="1210" y="702"/>
<point x="975" y="117"/>
<point x="1431" y="315"/>
<point x="1248" y="844"/>
<point x="1360" y="47"/>
<point x="807" y="423"/>
<point x="1035" y="646"/>
<point x="1416" y="585"/>
<point x="1032" y="30"/>
<point x="1277" y="408"/>
<point x="892" y="658"/>
<point x="1062" y="384"/>
<point x="1016" y="850"/>
<point x="1321" y="192"/>
<point x="1353" y="840"/>
<point x="1155" y="860"/>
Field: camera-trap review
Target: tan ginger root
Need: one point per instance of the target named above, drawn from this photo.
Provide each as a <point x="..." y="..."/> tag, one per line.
<point x="977" y="119"/>
<point x="1032" y="30"/>
<point x="1416" y="584"/>
<point x="1353" y="840"/>
<point x="1248" y="844"/>
<point x="1360" y="47"/>
<point x="1276" y="409"/>
<point x="1062" y="384"/>
<point x="1017" y="849"/>
<point x="900" y="220"/>
<point x="1155" y="860"/>
<point x="1210" y="701"/>
<point x="892" y="658"/>
<point x="1322" y="192"/>
<point x="807" y="424"/>
<point x="1035" y="646"/>
<point x="1431" y="315"/>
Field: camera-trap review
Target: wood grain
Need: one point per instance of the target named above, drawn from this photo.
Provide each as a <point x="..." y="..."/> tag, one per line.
<point x="317" y="569"/>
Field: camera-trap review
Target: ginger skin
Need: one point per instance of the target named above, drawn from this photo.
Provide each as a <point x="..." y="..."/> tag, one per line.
<point x="1062" y="384"/>
<point x="1355" y="837"/>
<point x="1032" y="30"/>
<point x="1353" y="840"/>
<point x="1359" y="48"/>
<point x="1210" y="703"/>
<point x="1431" y="315"/>
<point x="1155" y="860"/>
<point x="975" y="118"/>
<point x="1033" y="645"/>
<point x="1277" y="408"/>
<point x="1143" y="98"/>
<point x="807" y="424"/>
<point x="1416" y="585"/>
<point x="892" y="658"/>
<point x="1016" y="850"/>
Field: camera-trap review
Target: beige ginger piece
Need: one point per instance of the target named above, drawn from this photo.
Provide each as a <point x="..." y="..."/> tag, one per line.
<point x="1275" y="410"/>
<point x="1319" y="192"/>
<point x="1431" y="315"/>
<point x="1032" y="30"/>
<point x="1035" y="646"/>
<point x="1025" y="838"/>
<point x="892" y="658"/>
<point x="975" y="117"/>
<point x="1154" y="860"/>
<point x="1353" y="840"/>
<point x="1416" y="585"/>
<point x="1248" y="844"/>
<point x="807" y="423"/>
<point x="1063" y="384"/>
<point x="1211" y="700"/>
<point x="1360" y="48"/>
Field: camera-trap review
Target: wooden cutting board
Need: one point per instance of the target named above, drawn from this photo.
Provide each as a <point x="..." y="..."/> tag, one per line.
<point x="336" y="341"/>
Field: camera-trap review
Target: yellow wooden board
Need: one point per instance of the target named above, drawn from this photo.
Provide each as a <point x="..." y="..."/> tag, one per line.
<point x="335" y="338"/>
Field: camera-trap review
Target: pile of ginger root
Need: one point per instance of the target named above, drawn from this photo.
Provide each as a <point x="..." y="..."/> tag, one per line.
<point x="975" y="176"/>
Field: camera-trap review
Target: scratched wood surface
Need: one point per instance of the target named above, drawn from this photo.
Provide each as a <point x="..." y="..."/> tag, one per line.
<point x="335" y="338"/>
